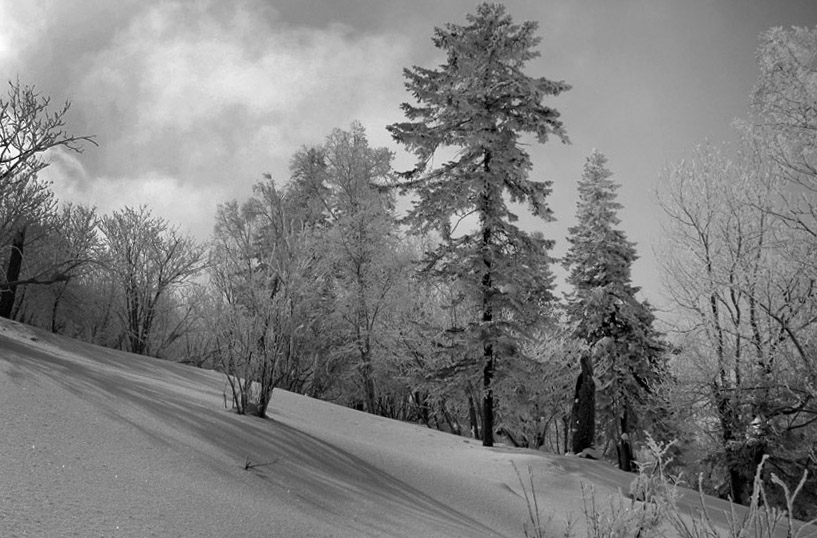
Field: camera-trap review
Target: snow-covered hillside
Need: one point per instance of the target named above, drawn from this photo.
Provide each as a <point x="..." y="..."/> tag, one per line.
<point x="96" y="442"/>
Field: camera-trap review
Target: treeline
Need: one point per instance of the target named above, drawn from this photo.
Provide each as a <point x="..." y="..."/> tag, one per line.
<point x="446" y="314"/>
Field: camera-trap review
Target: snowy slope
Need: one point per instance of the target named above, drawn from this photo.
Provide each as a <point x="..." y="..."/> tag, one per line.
<point x="103" y="443"/>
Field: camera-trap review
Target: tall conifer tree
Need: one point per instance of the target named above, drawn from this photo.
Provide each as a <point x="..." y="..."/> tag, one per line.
<point x="625" y="350"/>
<point x="475" y="107"/>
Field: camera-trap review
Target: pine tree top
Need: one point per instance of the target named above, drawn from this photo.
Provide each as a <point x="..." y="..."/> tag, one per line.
<point x="600" y="255"/>
<point x="472" y="110"/>
<point x="480" y="89"/>
<point x="477" y="105"/>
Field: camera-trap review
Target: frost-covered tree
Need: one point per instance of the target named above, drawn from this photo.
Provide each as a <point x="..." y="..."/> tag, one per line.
<point x="147" y="258"/>
<point x="783" y="122"/>
<point x="63" y="250"/>
<point x="267" y="307"/>
<point x="783" y="110"/>
<point x="783" y="118"/>
<point x="338" y="190"/>
<point x="747" y="311"/>
<point x="29" y="128"/>
<point x="362" y="246"/>
<point x="624" y="350"/>
<point x="470" y="114"/>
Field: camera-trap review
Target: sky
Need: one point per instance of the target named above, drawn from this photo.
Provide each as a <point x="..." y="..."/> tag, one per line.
<point x="191" y="102"/>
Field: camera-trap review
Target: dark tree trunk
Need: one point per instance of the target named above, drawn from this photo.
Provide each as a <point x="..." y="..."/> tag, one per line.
<point x="624" y="451"/>
<point x="739" y="484"/>
<point x="488" y="397"/>
<point x="541" y="435"/>
<point x="9" y="293"/>
<point x="422" y="407"/>
<point x="583" y="416"/>
<point x="487" y="313"/>
<point x="740" y="481"/>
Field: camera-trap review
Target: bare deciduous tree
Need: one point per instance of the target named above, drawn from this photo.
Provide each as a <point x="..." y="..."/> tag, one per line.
<point x="147" y="258"/>
<point x="747" y="308"/>
<point x="266" y="281"/>
<point x="28" y="129"/>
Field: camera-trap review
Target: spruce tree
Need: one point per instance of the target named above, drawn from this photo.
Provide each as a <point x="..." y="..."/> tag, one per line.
<point x="624" y="350"/>
<point x="474" y="109"/>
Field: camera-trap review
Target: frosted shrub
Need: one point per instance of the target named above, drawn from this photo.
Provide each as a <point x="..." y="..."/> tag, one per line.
<point x="761" y="519"/>
<point x="652" y="508"/>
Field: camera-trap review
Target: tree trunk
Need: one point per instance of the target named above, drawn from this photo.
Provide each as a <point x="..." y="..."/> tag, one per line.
<point x="420" y="412"/>
<point x="740" y="481"/>
<point x="366" y="377"/>
<point x="624" y="451"/>
<point x="453" y="425"/>
<point x="487" y="209"/>
<point x="9" y="293"/>
<point x="624" y="420"/>
<point x="136" y="343"/>
<point x="565" y="432"/>
<point x="583" y="416"/>
<point x="55" y="307"/>
<point x="488" y="398"/>
<point x="541" y="434"/>
<point x="472" y="415"/>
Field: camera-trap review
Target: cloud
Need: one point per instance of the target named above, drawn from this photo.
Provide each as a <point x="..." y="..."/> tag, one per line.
<point x="192" y="101"/>
<point x="190" y="207"/>
<point x="21" y="23"/>
<point x="202" y="92"/>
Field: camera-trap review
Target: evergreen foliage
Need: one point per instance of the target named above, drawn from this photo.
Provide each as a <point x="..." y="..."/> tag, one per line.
<point x="476" y="106"/>
<point x="625" y="351"/>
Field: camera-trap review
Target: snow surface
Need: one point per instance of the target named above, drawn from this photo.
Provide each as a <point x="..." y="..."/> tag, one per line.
<point x="98" y="442"/>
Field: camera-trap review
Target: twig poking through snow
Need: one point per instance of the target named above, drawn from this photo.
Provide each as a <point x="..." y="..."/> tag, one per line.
<point x="249" y="465"/>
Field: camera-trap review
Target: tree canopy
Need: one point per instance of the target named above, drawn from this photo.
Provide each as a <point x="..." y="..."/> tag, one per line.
<point x="477" y="105"/>
<point x="624" y="351"/>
